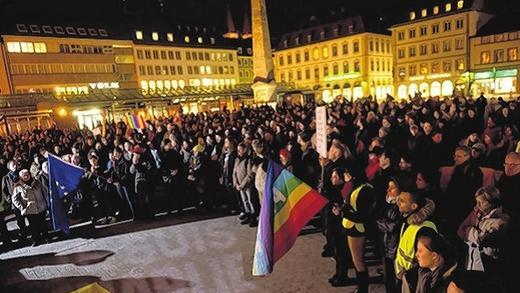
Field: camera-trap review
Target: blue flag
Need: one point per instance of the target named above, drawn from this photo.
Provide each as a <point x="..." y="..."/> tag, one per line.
<point x="63" y="179"/>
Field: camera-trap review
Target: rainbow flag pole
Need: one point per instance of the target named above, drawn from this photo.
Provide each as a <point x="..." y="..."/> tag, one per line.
<point x="287" y="206"/>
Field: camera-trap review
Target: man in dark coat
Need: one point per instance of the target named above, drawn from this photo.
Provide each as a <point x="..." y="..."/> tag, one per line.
<point x="336" y="159"/>
<point x="309" y="170"/>
<point x="460" y="193"/>
<point x="8" y="182"/>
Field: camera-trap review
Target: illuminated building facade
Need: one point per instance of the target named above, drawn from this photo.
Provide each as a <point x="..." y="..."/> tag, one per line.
<point x="64" y="60"/>
<point x="339" y="58"/>
<point x="432" y="49"/>
<point x="495" y="61"/>
<point x="183" y="57"/>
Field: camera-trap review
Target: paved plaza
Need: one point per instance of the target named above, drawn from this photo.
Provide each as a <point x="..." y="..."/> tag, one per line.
<point x="212" y="255"/>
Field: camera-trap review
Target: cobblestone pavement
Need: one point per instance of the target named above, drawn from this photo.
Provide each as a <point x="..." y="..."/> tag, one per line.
<point x="206" y="256"/>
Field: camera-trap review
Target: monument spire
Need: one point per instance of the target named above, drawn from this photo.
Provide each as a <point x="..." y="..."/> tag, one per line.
<point x="264" y="85"/>
<point x="231" y="30"/>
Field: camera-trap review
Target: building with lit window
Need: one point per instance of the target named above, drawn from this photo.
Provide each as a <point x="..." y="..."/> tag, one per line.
<point x="63" y="60"/>
<point x="183" y="57"/>
<point x="494" y="61"/>
<point x="340" y="58"/>
<point x="431" y="54"/>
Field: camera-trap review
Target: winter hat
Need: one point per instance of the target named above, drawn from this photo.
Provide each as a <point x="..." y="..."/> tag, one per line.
<point x="480" y="147"/>
<point x="286" y="154"/>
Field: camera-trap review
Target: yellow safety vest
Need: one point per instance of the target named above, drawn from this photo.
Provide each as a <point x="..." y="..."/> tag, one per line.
<point x="406" y="249"/>
<point x="348" y="224"/>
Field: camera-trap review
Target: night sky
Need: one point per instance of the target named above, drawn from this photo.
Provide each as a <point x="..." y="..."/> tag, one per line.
<point x="284" y="15"/>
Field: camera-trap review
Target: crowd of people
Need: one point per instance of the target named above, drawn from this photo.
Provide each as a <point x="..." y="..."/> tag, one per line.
<point x="433" y="182"/>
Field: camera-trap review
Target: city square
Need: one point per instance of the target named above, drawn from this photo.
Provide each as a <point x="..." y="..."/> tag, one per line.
<point x="259" y="146"/>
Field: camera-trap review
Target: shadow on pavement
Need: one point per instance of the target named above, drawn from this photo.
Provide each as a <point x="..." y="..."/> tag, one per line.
<point x="12" y="279"/>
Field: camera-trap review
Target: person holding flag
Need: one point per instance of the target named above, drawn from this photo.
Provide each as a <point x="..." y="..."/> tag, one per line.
<point x="64" y="179"/>
<point x="287" y="206"/>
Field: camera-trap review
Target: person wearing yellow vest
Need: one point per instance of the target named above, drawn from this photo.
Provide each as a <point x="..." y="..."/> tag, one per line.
<point x="357" y="211"/>
<point x="416" y="210"/>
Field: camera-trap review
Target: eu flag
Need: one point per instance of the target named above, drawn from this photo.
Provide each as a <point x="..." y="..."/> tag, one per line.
<point x="64" y="178"/>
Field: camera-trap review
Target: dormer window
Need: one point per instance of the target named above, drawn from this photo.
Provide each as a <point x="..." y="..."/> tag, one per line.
<point x="249" y="51"/>
<point x="285" y="43"/>
<point x="412" y="15"/>
<point x="309" y="38"/>
<point x="186" y="39"/>
<point x="103" y="32"/>
<point x="82" y="31"/>
<point x="59" y="30"/>
<point x="424" y="12"/>
<point x="47" y="29"/>
<point x="322" y="35"/>
<point x="139" y="35"/>
<point x="448" y="7"/>
<point x="169" y="37"/>
<point x="92" y="32"/>
<point x="297" y="40"/>
<point x="199" y="40"/>
<point x="21" y="28"/>
<point x="155" y="36"/>
<point x="70" y="30"/>
<point x="212" y="41"/>
<point x="435" y="10"/>
<point x="460" y="4"/>
<point x="34" y="28"/>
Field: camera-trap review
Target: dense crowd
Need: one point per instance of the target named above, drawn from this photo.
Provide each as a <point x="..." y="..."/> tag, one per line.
<point x="433" y="182"/>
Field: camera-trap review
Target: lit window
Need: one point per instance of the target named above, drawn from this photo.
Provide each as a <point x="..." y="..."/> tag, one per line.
<point x="412" y="15"/>
<point x="448" y="7"/>
<point x="40" y="48"/>
<point x="155" y="36"/>
<point x="103" y="32"/>
<point x="212" y="41"/>
<point x="199" y="40"/>
<point x="169" y="36"/>
<point x="460" y="4"/>
<point x="139" y="35"/>
<point x="27" y="47"/>
<point x="424" y="13"/>
<point x="208" y="69"/>
<point x="13" y="47"/>
<point x="144" y="84"/>
<point x="186" y="39"/>
<point x="436" y="10"/>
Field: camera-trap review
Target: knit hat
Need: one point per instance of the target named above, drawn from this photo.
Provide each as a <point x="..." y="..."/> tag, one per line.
<point x="480" y="147"/>
<point x="286" y="154"/>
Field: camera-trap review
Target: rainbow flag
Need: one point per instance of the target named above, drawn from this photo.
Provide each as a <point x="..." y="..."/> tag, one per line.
<point x="287" y="206"/>
<point x="135" y="121"/>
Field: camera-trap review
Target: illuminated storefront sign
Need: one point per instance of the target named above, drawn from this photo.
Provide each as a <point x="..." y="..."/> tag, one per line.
<point x="104" y="85"/>
<point x="496" y="74"/>
<point x="431" y="76"/>
<point x="342" y="77"/>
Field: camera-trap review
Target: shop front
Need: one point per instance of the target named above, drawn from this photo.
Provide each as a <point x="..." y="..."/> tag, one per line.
<point x="495" y="83"/>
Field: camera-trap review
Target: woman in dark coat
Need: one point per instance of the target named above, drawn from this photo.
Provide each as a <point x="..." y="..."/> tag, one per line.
<point x="388" y="224"/>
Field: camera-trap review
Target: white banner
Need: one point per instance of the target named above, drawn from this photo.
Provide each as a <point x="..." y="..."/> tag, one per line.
<point x="321" y="131"/>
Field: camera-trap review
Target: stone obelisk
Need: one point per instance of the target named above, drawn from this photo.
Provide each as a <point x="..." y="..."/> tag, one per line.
<point x="264" y="85"/>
